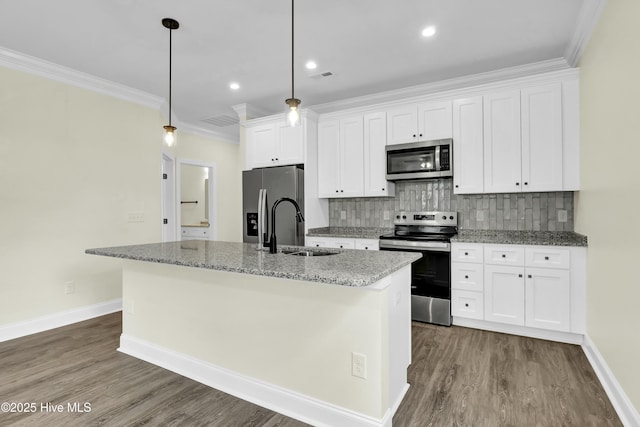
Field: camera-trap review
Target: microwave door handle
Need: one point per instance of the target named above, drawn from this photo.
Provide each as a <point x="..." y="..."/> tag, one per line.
<point x="437" y="159"/>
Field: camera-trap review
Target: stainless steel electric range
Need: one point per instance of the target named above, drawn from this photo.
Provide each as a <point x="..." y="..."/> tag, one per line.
<point x="430" y="234"/>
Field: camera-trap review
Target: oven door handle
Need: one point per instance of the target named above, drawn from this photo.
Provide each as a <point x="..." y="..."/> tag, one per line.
<point x="433" y="246"/>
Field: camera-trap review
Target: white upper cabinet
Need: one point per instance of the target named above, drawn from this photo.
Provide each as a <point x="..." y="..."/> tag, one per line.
<point x="341" y="157"/>
<point x="435" y="121"/>
<point x="274" y="144"/>
<point x="375" y="159"/>
<point x="419" y="122"/>
<point x="468" y="167"/>
<point x="542" y="155"/>
<point x="502" y="143"/>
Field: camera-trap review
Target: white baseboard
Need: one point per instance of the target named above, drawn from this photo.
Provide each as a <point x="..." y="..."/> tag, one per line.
<point x="543" y="334"/>
<point x="275" y="398"/>
<point x="56" y="320"/>
<point x="623" y="406"/>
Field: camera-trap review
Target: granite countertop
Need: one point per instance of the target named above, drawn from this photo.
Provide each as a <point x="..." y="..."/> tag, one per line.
<point x="546" y="238"/>
<point x="349" y="232"/>
<point x="346" y="268"/>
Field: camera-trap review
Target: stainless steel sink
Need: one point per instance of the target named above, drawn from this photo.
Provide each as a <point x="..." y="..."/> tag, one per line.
<point x="312" y="253"/>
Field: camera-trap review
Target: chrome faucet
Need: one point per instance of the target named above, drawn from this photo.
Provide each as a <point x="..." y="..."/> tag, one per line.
<point x="273" y="244"/>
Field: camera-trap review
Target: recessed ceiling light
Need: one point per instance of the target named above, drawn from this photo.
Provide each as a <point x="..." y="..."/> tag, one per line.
<point x="429" y="31"/>
<point x="234" y="86"/>
<point x="311" y="65"/>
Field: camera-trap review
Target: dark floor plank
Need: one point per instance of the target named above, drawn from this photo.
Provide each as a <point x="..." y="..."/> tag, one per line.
<point x="458" y="377"/>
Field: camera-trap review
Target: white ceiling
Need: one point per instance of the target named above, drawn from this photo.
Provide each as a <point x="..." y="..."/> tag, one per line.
<point x="369" y="45"/>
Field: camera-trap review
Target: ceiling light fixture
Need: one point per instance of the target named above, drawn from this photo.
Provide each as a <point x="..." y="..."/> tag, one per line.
<point x="429" y="31"/>
<point x="292" y="115"/>
<point x="169" y="130"/>
<point x="311" y="65"/>
<point x="234" y="86"/>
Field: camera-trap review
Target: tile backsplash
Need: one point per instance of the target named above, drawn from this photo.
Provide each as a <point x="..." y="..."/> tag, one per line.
<point x="510" y="211"/>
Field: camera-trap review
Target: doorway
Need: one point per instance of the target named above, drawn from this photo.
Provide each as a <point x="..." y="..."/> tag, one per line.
<point x="196" y="200"/>
<point x="168" y="200"/>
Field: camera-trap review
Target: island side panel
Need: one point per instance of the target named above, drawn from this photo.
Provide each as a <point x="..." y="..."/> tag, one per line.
<point x="292" y="334"/>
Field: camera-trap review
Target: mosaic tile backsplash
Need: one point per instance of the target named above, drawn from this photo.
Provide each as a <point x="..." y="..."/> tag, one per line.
<point x="512" y="211"/>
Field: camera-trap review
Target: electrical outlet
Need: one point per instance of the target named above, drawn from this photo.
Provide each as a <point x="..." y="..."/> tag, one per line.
<point x="479" y="215"/>
<point x="69" y="287"/>
<point x="562" y="215"/>
<point x="343" y="214"/>
<point x="359" y="365"/>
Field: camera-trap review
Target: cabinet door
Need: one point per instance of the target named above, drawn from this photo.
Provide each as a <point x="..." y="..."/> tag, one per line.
<point x="328" y="158"/>
<point x="542" y="138"/>
<point x="261" y="146"/>
<point x="351" y="157"/>
<point x="434" y="121"/>
<point x="504" y="294"/>
<point x="502" y="143"/>
<point x="375" y="158"/>
<point x="548" y="299"/>
<point x="402" y="125"/>
<point x="468" y="139"/>
<point x="290" y="145"/>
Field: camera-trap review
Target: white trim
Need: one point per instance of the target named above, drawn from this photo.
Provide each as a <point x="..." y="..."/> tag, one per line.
<point x="278" y="399"/>
<point x="39" y="67"/>
<point x="56" y="320"/>
<point x="587" y="19"/>
<point x="408" y="93"/>
<point x="199" y="130"/>
<point x="543" y="334"/>
<point x="248" y="112"/>
<point x="213" y="196"/>
<point x="619" y="399"/>
<point x="168" y="195"/>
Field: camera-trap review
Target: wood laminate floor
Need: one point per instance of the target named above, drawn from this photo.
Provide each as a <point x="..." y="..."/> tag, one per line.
<point x="459" y="377"/>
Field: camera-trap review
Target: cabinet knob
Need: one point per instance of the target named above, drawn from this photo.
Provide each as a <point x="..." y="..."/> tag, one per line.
<point x="526" y="183"/>
<point x="317" y="245"/>
<point x="546" y="258"/>
<point x="466" y="277"/>
<point x="342" y="191"/>
<point x="340" y="246"/>
<point x="383" y="189"/>
<point x="457" y="185"/>
<point x="366" y="247"/>
<point x="466" y="304"/>
<point x="272" y="160"/>
<point x="517" y="183"/>
<point x="421" y="135"/>
<point x="276" y="159"/>
<point x="336" y="191"/>
<point x="519" y="275"/>
<point x="504" y="256"/>
<point x="529" y="276"/>
<point x="414" y="135"/>
<point x="466" y="253"/>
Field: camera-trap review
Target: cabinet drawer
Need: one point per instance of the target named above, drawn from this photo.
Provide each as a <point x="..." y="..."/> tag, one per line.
<point x="466" y="252"/>
<point x="467" y="304"/>
<point x="317" y="242"/>
<point x="504" y="255"/>
<point x="549" y="257"/>
<point x="342" y="244"/>
<point x="467" y="276"/>
<point x="367" y="244"/>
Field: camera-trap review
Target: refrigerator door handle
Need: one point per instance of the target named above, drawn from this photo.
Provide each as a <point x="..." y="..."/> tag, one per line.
<point x="261" y="208"/>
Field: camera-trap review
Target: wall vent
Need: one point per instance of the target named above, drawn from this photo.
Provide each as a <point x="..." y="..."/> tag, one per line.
<point x="221" y="121"/>
<point x="321" y="75"/>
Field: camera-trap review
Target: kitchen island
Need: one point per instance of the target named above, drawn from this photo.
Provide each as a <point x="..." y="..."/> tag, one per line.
<point x="323" y="339"/>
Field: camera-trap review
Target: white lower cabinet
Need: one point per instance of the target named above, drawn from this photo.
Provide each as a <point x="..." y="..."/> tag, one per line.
<point x="525" y="287"/>
<point x="343" y="243"/>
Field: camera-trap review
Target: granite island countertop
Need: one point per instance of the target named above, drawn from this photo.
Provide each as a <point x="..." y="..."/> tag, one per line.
<point x="508" y="237"/>
<point x="349" y="232"/>
<point x="347" y="268"/>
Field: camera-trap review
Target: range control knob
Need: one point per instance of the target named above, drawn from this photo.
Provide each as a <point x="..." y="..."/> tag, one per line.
<point x="451" y="217"/>
<point x="404" y="217"/>
<point x="444" y="217"/>
<point x="397" y="216"/>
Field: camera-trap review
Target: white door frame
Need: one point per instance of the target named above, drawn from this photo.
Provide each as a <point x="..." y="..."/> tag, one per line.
<point x="168" y="193"/>
<point x="213" y="217"/>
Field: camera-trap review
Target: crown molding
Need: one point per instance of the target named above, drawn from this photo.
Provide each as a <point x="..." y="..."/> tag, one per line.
<point x="444" y="86"/>
<point x="32" y="65"/>
<point x="587" y="19"/>
<point x="305" y="113"/>
<point x="248" y="112"/>
<point x="199" y="130"/>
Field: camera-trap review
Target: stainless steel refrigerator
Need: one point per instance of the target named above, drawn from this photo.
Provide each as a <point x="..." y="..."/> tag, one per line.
<point x="283" y="181"/>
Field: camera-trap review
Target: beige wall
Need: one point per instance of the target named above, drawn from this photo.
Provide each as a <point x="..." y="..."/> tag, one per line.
<point x="73" y="165"/>
<point x="227" y="180"/>
<point x="610" y="149"/>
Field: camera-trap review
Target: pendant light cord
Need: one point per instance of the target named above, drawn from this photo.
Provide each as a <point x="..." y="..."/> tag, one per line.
<point x="170" y="45"/>
<point x="292" y="20"/>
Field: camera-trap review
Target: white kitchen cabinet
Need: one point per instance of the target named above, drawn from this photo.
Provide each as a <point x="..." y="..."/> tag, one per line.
<point x="504" y="255"/>
<point x="419" y="122"/>
<point x="467" y="252"/>
<point x="502" y="142"/>
<point x="375" y="159"/>
<point x="504" y="294"/>
<point x="342" y="243"/>
<point x="194" y="233"/>
<point x="467" y="280"/>
<point x="467" y="304"/>
<point x="467" y="276"/>
<point x="274" y="144"/>
<point x="468" y="146"/>
<point x="548" y="299"/>
<point x="542" y="156"/>
<point x="341" y="157"/>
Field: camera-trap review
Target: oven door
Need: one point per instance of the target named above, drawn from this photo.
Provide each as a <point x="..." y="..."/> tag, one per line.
<point x="430" y="280"/>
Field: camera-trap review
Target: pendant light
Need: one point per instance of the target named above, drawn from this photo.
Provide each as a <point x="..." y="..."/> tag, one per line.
<point x="293" y="113"/>
<point x="169" y="130"/>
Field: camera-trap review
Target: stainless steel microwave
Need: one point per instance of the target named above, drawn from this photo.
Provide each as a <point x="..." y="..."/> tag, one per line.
<point x="420" y="160"/>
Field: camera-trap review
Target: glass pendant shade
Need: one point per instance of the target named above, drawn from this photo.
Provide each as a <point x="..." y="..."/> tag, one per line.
<point x="169" y="135"/>
<point x="170" y="131"/>
<point x="292" y="113"/>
